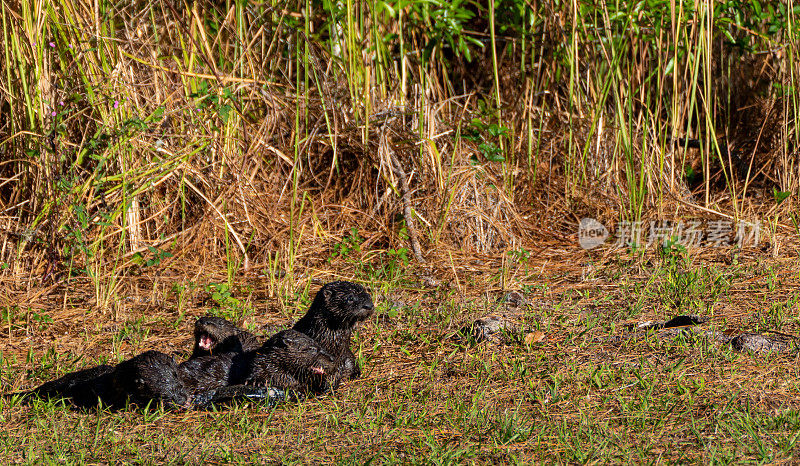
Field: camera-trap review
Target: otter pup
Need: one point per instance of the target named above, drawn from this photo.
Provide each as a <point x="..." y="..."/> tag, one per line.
<point x="150" y="376"/>
<point x="288" y="360"/>
<point x="293" y="361"/>
<point x="289" y="366"/>
<point x="217" y="335"/>
<point x="216" y="343"/>
<point x="78" y="386"/>
<point x="209" y="372"/>
<point x="334" y="313"/>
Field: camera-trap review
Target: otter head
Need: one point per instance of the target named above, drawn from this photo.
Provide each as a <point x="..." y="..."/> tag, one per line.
<point x="323" y="364"/>
<point x="214" y="334"/>
<point x="150" y="376"/>
<point x="300" y="351"/>
<point x="344" y="303"/>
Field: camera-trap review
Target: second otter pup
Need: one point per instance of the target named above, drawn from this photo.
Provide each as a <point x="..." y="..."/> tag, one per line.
<point x="291" y="360"/>
<point x="217" y="335"/>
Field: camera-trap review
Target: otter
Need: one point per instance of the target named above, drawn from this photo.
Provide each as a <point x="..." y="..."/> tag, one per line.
<point x="210" y="372"/>
<point x="80" y="386"/>
<point x="292" y="361"/>
<point x="217" y="335"/>
<point x="149" y="377"/>
<point x="216" y="343"/>
<point x="289" y="366"/>
<point x="289" y="360"/>
<point x="337" y="308"/>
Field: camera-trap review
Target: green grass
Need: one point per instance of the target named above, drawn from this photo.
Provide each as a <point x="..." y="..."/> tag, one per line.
<point x="428" y="396"/>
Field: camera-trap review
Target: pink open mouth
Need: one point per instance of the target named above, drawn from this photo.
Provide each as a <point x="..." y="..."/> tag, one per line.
<point x="206" y="342"/>
<point x="318" y="370"/>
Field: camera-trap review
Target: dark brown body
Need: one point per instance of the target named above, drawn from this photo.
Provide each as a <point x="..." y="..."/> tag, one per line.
<point x="334" y="313"/>
<point x="292" y="361"/>
<point x="208" y="372"/>
<point x="217" y="342"/>
<point x="289" y="360"/>
<point x="149" y="377"/>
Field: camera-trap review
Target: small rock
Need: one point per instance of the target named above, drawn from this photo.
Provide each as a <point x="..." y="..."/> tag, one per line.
<point x="759" y="344"/>
<point x="429" y="282"/>
<point x="488" y="328"/>
<point x="685" y="320"/>
<point x="514" y="299"/>
<point x="677" y="321"/>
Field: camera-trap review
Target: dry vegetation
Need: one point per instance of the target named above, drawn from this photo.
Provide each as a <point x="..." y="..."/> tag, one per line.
<point x="160" y="160"/>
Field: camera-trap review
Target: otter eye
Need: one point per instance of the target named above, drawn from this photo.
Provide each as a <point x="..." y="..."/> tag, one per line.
<point x="350" y="299"/>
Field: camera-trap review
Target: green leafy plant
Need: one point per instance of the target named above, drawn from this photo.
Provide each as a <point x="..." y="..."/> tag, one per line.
<point x="155" y="257"/>
<point x="350" y="244"/>
<point x="227" y="306"/>
<point x="488" y="137"/>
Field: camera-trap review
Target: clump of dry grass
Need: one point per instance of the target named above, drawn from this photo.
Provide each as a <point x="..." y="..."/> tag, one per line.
<point x="265" y="134"/>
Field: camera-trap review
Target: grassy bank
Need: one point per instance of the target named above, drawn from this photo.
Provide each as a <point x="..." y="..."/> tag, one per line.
<point x="267" y="131"/>
<point x="573" y="391"/>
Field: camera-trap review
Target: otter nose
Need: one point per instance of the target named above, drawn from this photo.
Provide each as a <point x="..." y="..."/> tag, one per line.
<point x="368" y="308"/>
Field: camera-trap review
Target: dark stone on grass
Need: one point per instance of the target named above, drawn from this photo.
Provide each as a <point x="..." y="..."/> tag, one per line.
<point x="515" y="299"/>
<point x="677" y="321"/>
<point x="490" y="328"/>
<point x="685" y="325"/>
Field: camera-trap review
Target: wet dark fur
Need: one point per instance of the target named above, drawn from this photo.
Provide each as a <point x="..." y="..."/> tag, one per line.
<point x="291" y="360"/>
<point x="226" y="337"/>
<point x="209" y="372"/>
<point x="334" y="313"/>
<point x="150" y="376"/>
<point x="288" y="360"/>
<point x="209" y="369"/>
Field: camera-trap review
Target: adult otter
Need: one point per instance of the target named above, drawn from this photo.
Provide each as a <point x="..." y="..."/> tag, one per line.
<point x="337" y="308"/>
<point x="150" y="376"/>
<point x="217" y="335"/>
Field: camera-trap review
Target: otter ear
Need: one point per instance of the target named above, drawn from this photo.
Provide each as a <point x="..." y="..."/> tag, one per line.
<point x="327" y="293"/>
